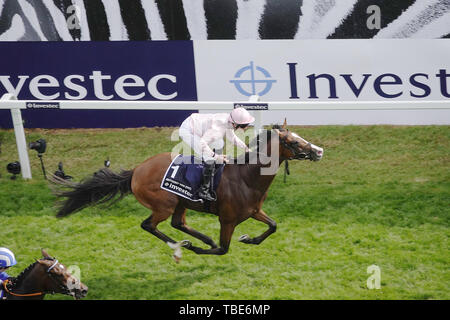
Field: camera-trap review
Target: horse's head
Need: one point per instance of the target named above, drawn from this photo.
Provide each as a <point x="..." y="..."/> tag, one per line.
<point x="292" y="146"/>
<point x="58" y="279"/>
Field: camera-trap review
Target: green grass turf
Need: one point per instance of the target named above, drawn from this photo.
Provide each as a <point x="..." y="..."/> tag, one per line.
<point x="380" y="196"/>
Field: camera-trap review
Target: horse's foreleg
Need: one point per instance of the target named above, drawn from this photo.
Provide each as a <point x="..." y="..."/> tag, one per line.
<point x="263" y="217"/>
<point x="226" y="232"/>
<point x="179" y="222"/>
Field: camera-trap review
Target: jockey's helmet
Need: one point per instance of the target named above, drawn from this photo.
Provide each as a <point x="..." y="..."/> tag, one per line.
<point x="240" y="116"/>
<point x="7" y="258"/>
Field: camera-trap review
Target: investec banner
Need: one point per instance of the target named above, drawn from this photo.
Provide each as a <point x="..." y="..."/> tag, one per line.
<point x="152" y="70"/>
<point x="276" y="70"/>
<point x="323" y="69"/>
<point x="327" y="70"/>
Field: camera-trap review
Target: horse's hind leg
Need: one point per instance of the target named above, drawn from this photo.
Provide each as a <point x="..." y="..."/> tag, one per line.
<point x="152" y="222"/>
<point x="150" y="225"/>
<point x="179" y="222"/>
<point x="263" y="217"/>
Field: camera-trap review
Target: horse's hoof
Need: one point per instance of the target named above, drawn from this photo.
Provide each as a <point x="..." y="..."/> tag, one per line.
<point x="244" y="238"/>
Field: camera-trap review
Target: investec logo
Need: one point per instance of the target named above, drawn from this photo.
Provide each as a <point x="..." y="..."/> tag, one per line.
<point x="256" y="80"/>
<point x="253" y="80"/>
<point x="74" y="86"/>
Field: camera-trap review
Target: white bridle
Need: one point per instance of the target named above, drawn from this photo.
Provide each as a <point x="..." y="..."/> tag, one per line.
<point x="52" y="266"/>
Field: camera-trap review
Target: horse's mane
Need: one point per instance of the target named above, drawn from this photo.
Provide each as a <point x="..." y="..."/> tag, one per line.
<point x="257" y="139"/>
<point x="17" y="281"/>
<point x="256" y="142"/>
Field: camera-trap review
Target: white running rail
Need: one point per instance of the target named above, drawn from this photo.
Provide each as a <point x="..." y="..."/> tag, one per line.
<point x="8" y="101"/>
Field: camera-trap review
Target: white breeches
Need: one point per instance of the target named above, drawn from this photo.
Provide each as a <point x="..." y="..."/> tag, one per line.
<point x="194" y="141"/>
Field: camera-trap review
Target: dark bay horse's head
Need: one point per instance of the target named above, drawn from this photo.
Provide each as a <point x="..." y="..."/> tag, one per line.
<point x="292" y="146"/>
<point x="57" y="278"/>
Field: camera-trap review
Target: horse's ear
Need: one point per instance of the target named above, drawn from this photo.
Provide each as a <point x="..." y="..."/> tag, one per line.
<point x="284" y="124"/>
<point x="45" y="254"/>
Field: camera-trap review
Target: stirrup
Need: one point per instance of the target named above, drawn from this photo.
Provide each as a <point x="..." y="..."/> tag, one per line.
<point x="207" y="195"/>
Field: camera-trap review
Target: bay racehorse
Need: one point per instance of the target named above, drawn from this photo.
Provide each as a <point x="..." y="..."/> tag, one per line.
<point x="240" y="194"/>
<point x="45" y="276"/>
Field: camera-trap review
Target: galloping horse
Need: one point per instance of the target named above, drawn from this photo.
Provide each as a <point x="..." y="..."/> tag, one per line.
<point x="45" y="276"/>
<point x="240" y="194"/>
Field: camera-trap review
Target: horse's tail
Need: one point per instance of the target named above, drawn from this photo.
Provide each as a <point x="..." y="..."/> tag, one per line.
<point x="103" y="186"/>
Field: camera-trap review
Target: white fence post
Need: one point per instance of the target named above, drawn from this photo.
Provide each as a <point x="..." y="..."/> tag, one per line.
<point x="257" y="114"/>
<point x="20" y="138"/>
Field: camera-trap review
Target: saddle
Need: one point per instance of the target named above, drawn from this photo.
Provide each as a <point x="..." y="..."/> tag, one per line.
<point x="184" y="177"/>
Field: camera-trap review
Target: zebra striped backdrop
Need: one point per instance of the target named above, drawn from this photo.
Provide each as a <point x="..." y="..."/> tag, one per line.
<point x="67" y="20"/>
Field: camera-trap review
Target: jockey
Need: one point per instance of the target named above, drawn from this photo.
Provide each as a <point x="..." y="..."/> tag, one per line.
<point x="200" y="130"/>
<point x="7" y="260"/>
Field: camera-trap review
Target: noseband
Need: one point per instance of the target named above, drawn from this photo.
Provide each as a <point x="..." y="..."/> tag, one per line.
<point x="292" y="147"/>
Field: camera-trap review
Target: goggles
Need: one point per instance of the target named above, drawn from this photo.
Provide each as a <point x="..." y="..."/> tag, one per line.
<point x="243" y="126"/>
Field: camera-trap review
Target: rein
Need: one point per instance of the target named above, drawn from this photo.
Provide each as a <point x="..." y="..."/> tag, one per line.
<point x="286" y="170"/>
<point x="295" y="155"/>
<point x="5" y="286"/>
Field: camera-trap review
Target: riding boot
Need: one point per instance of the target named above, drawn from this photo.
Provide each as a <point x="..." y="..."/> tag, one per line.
<point x="206" y="192"/>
